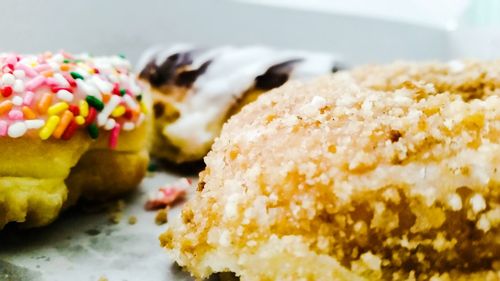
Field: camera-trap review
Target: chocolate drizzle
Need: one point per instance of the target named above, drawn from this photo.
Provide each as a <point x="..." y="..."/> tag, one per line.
<point x="276" y="75"/>
<point x="176" y="70"/>
<point x="158" y="109"/>
<point x="187" y="78"/>
<point x="337" y="67"/>
<point x="159" y="75"/>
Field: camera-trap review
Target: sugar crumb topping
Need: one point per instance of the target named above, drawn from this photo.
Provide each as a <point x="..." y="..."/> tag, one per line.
<point x="391" y="175"/>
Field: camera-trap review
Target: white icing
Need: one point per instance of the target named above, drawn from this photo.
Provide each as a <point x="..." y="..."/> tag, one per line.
<point x="232" y="71"/>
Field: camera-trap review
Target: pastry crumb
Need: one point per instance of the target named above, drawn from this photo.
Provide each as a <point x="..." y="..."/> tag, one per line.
<point x="132" y="220"/>
<point x="116" y="211"/>
<point x="162" y="216"/>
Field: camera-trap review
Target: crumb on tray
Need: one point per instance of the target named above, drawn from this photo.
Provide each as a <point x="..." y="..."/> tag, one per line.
<point x="116" y="211"/>
<point x="132" y="220"/>
<point x="162" y="216"/>
<point x="168" y="194"/>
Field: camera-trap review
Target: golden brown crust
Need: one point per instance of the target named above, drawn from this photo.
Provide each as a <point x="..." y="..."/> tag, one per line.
<point x="337" y="180"/>
<point x="39" y="178"/>
<point x="33" y="157"/>
<point x="36" y="199"/>
<point x="104" y="174"/>
<point x="34" y="202"/>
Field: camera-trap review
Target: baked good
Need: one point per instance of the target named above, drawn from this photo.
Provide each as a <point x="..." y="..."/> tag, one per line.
<point x="383" y="173"/>
<point x="195" y="90"/>
<point x="71" y="126"/>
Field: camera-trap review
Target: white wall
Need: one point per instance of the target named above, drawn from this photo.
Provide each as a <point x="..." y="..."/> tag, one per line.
<point x="437" y="13"/>
<point x="107" y="27"/>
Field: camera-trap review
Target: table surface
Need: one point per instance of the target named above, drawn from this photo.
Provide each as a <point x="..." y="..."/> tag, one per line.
<point x="85" y="246"/>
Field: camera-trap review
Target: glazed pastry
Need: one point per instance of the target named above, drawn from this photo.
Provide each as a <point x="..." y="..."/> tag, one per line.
<point x="70" y="127"/>
<point x="196" y="90"/>
<point x="383" y="173"/>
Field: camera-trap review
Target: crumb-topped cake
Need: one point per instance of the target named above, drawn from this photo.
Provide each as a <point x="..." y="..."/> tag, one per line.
<point x="196" y="90"/>
<point x="66" y="120"/>
<point x="383" y="173"/>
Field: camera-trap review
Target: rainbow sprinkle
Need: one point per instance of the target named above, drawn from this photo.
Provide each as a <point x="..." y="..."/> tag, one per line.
<point x="54" y="95"/>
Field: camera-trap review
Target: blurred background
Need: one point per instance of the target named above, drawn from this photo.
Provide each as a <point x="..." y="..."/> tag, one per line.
<point x="360" y="31"/>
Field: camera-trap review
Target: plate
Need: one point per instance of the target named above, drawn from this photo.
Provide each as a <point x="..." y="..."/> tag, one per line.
<point x="84" y="245"/>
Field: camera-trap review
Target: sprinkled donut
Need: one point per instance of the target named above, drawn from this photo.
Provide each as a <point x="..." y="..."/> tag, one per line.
<point x="68" y="120"/>
<point x="54" y="95"/>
